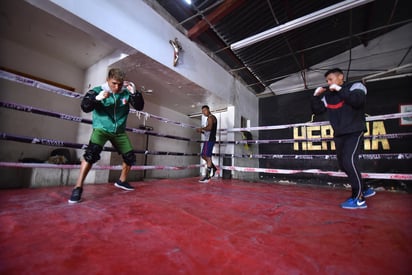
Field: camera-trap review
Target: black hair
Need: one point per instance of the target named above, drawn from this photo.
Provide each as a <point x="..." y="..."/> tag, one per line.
<point x="205" y="106"/>
<point x="333" y="71"/>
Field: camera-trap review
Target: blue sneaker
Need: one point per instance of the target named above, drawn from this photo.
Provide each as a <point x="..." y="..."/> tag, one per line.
<point x="352" y="203"/>
<point x="368" y="193"/>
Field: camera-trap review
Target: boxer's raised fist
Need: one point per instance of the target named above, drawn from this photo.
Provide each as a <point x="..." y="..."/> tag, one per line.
<point x="102" y="95"/>
<point x="319" y="91"/>
<point x="131" y="87"/>
<point x="335" y="87"/>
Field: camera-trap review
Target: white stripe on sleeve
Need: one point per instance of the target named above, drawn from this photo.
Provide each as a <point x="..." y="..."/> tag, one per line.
<point x="358" y="86"/>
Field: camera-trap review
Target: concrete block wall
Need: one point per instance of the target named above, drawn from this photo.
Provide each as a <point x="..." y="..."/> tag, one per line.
<point x="24" y="59"/>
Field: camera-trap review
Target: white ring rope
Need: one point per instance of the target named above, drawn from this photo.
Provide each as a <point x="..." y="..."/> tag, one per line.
<point x="64" y="92"/>
<point x="320" y="123"/>
<point x="390" y="176"/>
<point x="50" y="88"/>
<point x="47" y="87"/>
<point x="96" y="167"/>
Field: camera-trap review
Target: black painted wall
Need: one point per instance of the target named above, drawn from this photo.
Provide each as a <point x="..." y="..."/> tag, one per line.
<point x="383" y="97"/>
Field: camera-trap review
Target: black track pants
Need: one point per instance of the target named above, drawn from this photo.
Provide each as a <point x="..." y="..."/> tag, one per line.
<point x="347" y="151"/>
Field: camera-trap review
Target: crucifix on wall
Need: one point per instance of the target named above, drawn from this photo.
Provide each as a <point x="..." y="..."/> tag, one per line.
<point x="177" y="49"/>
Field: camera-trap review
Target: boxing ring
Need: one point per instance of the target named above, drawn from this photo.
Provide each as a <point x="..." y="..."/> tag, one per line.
<point x="179" y="226"/>
<point x="144" y="115"/>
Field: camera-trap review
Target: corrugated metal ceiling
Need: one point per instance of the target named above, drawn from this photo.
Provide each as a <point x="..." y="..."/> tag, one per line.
<point x="215" y="25"/>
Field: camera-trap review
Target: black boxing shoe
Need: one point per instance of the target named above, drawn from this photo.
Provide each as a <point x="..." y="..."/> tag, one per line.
<point x="213" y="173"/>
<point x="124" y="185"/>
<point x="76" y="196"/>
<point x="205" y="179"/>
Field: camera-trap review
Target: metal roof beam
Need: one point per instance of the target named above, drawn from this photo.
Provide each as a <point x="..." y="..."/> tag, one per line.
<point x="214" y="17"/>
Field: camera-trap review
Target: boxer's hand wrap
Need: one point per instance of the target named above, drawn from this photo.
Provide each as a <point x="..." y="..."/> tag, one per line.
<point x="100" y="96"/>
<point x="318" y="91"/>
<point x="131" y="87"/>
<point x="335" y="87"/>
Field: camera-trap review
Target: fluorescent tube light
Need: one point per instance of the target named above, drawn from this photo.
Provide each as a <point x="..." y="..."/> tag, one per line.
<point x="299" y="22"/>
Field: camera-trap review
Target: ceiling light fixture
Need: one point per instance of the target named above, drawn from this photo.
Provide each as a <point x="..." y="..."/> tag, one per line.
<point x="189" y="2"/>
<point x="299" y="22"/>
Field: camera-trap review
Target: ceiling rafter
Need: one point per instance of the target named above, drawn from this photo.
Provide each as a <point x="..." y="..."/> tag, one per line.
<point x="231" y="53"/>
<point x="300" y="66"/>
<point x="274" y="58"/>
<point x="368" y="11"/>
<point x="214" y="17"/>
<point x="318" y="46"/>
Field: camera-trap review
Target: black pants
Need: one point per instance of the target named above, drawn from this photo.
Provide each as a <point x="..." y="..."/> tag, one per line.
<point x="347" y="151"/>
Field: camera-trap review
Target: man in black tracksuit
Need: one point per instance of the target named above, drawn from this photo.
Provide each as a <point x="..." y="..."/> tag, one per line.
<point x="345" y="104"/>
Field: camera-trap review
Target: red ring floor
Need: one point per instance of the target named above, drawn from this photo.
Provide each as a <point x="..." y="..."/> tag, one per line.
<point x="183" y="227"/>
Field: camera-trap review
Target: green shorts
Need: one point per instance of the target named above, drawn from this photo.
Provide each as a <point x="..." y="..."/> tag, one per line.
<point x="121" y="141"/>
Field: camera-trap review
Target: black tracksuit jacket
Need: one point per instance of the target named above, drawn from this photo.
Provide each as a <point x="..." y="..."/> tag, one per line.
<point x="346" y="108"/>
